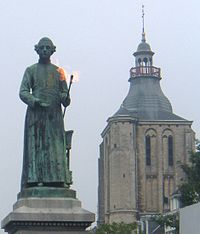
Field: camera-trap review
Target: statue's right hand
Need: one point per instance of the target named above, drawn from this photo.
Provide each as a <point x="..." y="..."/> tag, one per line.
<point x="39" y="103"/>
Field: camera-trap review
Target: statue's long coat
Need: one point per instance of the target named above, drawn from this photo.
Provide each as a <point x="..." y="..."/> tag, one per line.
<point x="44" y="159"/>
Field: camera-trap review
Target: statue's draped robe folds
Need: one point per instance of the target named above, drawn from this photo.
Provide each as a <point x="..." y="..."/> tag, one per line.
<point x="44" y="159"/>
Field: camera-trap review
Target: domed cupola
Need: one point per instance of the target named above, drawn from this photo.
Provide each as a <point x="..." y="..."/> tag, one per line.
<point x="143" y="55"/>
<point x="144" y="47"/>
<point x="145" y="99"/>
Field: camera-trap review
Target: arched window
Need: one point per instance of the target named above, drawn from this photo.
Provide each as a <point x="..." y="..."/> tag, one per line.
<point x="170" y="151"/>
<point x="148" y="150"/>
<point x="151" y="62"/>
<point x="145" y="61"/>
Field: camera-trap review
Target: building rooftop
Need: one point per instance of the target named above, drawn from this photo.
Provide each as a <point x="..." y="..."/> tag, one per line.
<point x="145" y="99"/>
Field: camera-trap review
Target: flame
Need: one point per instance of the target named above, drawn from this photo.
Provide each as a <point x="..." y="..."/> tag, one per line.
<point x="75" y="76"/>
<point x="63" y="74"/>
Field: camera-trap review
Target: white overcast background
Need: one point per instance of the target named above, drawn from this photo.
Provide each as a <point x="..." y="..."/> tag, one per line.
<point x="96" y="38"/>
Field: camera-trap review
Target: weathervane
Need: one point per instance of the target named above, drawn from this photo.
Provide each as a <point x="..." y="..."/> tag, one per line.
<point x="143" y="18"/>
<point x="143" y="33"/>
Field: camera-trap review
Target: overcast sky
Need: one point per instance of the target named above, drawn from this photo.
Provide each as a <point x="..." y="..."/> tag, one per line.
<point x="96" y="38"/>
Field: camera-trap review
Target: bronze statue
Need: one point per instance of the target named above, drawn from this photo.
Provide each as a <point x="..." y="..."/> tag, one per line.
<point x="44" y="89"/>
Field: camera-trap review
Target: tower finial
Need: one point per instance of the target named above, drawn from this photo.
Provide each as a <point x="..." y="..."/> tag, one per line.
<point x="143" y="33"/>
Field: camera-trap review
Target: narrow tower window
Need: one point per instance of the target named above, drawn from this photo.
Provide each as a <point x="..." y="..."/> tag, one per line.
<point x="145" y="61"/>
<point x="170" y="151"/>
<point x="151" y="62"/>
<point x="148" y="150"/>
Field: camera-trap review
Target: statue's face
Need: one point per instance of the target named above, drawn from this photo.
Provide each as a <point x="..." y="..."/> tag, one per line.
<point x="45" y="49"/>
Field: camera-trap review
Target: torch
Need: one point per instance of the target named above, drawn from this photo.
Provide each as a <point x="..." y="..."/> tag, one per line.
<point x="68" y="91"/>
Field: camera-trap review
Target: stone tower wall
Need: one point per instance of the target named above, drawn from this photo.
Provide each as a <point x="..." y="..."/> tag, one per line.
<point x="159" y="180"/>
<point x="120" y="172"/>
<point x="131" y="186"/>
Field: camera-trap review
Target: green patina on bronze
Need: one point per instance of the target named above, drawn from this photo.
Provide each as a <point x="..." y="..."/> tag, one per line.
<point x="44" y="160"/>
<point x="46" y="192"/>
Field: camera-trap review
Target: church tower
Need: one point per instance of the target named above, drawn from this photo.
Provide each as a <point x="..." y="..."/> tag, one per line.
<point x="143" y="145"/>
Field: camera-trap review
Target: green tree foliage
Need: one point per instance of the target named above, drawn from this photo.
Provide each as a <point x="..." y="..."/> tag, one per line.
<point x="190" y="188"/>
<point x="116" y="228"/>
<point x="170" y="220"/>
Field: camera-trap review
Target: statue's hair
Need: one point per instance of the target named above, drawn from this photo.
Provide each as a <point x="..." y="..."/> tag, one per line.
<point x="53" y="47"/>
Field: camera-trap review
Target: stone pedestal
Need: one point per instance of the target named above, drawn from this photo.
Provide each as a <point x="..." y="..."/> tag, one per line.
<point x="47" y="215"/>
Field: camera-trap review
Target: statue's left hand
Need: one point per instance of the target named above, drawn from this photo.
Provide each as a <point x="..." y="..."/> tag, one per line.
<point x="67" y="101"/>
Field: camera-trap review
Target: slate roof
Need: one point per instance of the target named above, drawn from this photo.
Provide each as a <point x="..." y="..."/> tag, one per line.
<point x="146" y="101"/>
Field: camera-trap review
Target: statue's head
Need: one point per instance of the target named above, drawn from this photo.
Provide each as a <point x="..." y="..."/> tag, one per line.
<point x="45" y="48"/>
